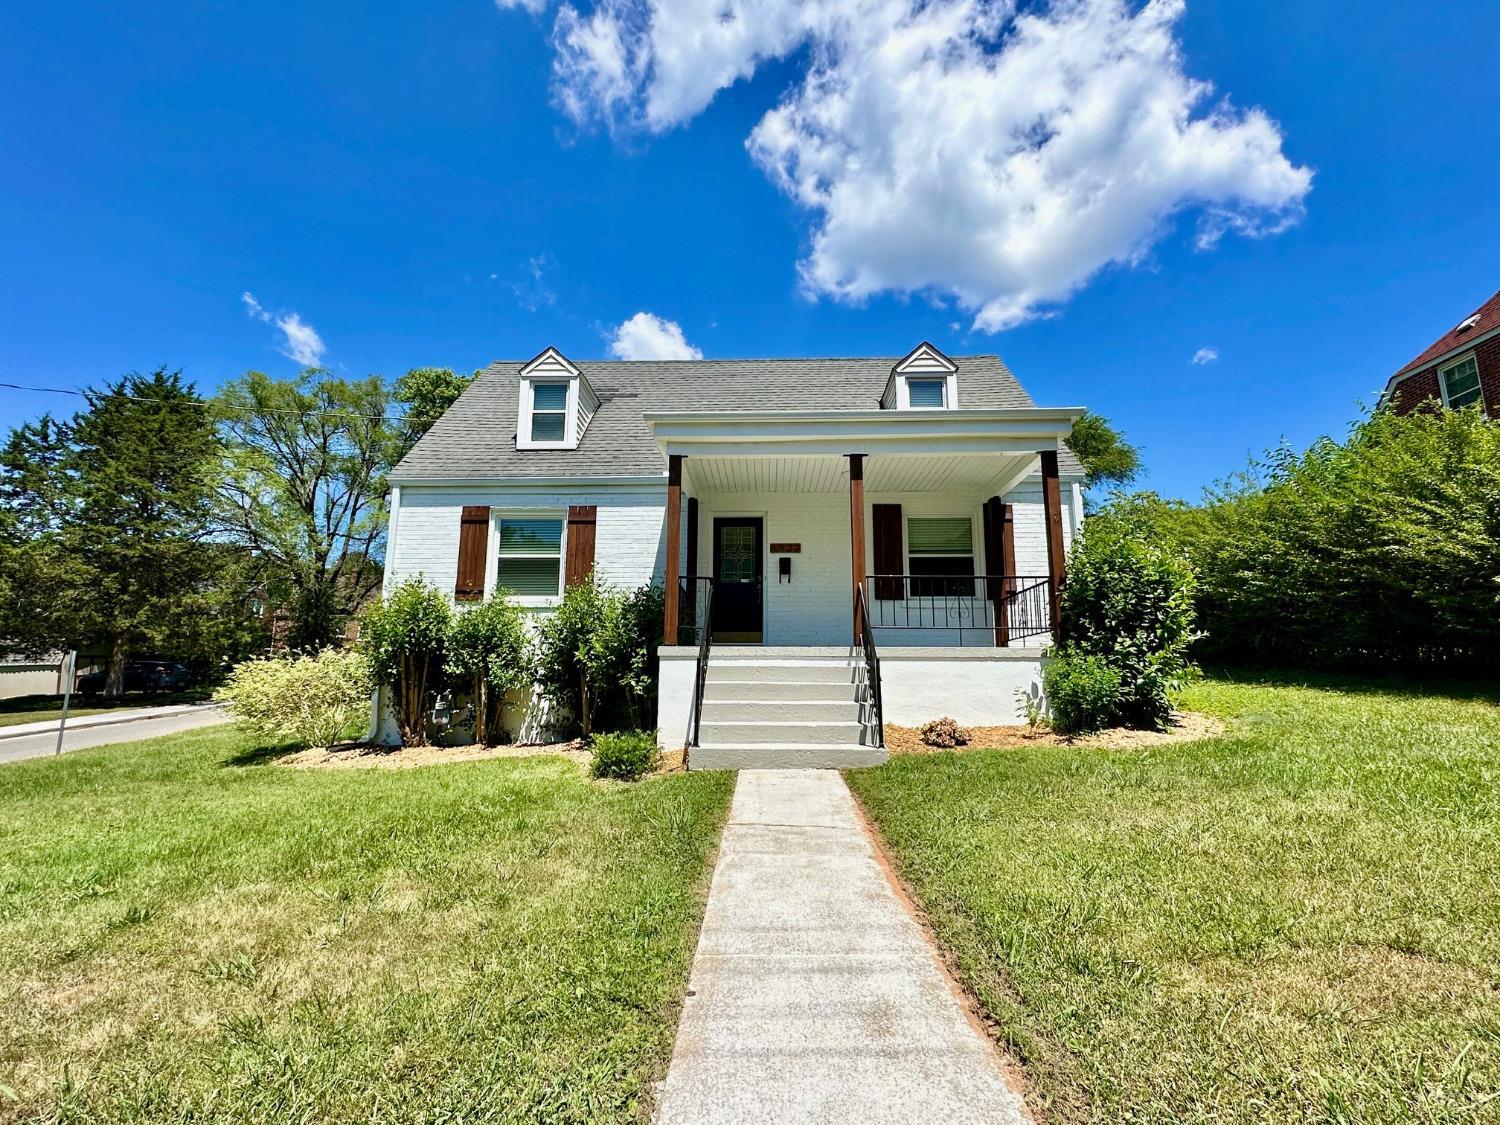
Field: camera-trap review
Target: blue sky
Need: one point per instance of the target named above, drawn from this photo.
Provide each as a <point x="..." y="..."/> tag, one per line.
<point x="442" y="184"/>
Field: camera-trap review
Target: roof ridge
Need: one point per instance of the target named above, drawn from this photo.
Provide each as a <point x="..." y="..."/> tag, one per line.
<point x="759" y="359"/>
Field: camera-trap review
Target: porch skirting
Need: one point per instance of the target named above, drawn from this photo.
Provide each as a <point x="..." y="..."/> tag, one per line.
<point x="974" y="686"/>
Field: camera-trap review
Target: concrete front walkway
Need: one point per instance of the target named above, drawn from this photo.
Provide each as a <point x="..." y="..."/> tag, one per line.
<point x="815" y="996"/>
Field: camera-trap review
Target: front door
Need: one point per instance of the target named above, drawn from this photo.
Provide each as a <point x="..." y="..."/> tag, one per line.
<point x="738" y="615"/>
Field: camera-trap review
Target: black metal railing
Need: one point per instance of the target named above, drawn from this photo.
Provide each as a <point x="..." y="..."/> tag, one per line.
<point x="692" y="608"/>
<point x="696" y="608"/>
<point x="866" y="637"/>
<point x="1002" y="609"/>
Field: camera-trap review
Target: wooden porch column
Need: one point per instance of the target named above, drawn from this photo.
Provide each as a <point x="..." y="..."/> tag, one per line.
<point x="1056" y="556"/>
<point x="856" y="530"/>
<point x="1000" y="563"/>
<point x="674" y="548"/>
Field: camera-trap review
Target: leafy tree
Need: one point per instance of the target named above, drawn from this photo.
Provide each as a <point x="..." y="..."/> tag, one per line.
<point x="1107" y="457"/>
<point x="488" y="651"/>
<point x="592" y="654"/>
<point x="1379" y="550"/>
<point x="304" y="490"/>
<point x="404" y="638"/>
<point x="426" y="393"/>
<point x="107" y="516"/>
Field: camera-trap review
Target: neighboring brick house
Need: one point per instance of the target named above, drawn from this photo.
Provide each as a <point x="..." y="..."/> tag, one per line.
<point x="1461" y="367"/>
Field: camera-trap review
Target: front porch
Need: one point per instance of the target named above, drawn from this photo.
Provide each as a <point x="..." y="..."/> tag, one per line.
<point x="927" y="566"/>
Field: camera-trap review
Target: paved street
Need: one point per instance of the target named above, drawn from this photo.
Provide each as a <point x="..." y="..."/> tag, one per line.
<point x="39" y="745"/>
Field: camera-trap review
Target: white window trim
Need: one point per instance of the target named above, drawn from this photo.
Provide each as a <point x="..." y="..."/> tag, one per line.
<point x="1442" y="377"/>
<point x="570" y="413"/>
<point x="950" y="389"/>
<point x="907" y="517"/>
<point x="492" y="575"/>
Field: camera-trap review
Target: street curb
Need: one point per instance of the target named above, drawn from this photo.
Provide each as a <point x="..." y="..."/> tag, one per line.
<point x="28" y="730"/>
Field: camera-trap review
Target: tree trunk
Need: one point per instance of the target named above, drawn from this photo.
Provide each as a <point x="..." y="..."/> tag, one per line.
<point x="584" y="719"/>
<point x="114" y="674"/>
<point x="411" y="695"/>
<point x="481" y="711"/>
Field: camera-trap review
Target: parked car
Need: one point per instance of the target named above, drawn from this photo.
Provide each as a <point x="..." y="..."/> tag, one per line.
<point x="140" y="675"/>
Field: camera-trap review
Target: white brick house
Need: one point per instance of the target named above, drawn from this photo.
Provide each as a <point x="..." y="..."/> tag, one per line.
<point x="893" y="530"/>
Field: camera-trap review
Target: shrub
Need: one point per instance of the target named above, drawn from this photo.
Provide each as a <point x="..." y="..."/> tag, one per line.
<point x="1082" y="691"/>
<point x="304" y="699"/>
<point x="944" y="733"/>
<point x="590" y="652"/>
<point x="488" y="652"/>
<point x="1129" y="601"/>
<point x="625" y="756"/>
<point x="403" y="637"/>
<point x="1378" y="550"/>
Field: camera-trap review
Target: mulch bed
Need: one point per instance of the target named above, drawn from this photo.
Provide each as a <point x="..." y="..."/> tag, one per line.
<point x="1186" y="727"/>
<point x="360" y="755"/>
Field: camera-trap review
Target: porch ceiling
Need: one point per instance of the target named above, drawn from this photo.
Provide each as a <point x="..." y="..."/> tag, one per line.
<point x="883" y="473"/>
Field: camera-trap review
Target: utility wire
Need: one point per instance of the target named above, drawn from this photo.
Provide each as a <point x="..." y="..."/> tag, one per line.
<point x="394" y="416"/>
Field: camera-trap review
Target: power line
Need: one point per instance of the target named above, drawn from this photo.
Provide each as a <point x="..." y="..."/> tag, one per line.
<point x="393" y="416"/>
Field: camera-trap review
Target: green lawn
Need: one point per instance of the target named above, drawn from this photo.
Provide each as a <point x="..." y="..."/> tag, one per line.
<point x="47" y="708"/>
<point x="190" y="933"/>
<point x="1299" y="920"/>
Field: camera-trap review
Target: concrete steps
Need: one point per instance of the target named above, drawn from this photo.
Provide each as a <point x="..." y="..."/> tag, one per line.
<point x="765" y="710"/>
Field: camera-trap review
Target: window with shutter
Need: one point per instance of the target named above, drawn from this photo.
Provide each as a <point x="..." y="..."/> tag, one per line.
<point x="941" y="549"/>
<point x="530" y="561"/>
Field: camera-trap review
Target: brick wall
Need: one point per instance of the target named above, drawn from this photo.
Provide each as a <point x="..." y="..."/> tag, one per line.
<point x="629" y="545"/>
<point x="1422" y="386"/>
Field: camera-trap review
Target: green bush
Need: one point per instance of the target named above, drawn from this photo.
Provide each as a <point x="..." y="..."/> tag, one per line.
<point x="594" y="654"/>
<point x="1129" y="601"/>
<point x="626" y="755"/>
<point x="1381" y="550"/>
<point x="1083" y="692"/>
<point x="309" y="700"/>
<point x="488" y="653"/>
<point x="404" y="637"/>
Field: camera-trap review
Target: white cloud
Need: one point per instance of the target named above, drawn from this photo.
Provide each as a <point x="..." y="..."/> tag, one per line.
<point x="647" y="336"/>
<point x="530" y="287"/>
<point x="300" y="340"/>
<point x="957" y="148"/>
<point x="535" y="7"/>
<point x="1205" y="355"/>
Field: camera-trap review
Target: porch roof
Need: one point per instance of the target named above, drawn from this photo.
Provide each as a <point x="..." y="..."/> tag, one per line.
<point x="781" y="433"/>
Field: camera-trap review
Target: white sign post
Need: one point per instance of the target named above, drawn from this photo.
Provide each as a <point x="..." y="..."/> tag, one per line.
<point x="70" y="662"/>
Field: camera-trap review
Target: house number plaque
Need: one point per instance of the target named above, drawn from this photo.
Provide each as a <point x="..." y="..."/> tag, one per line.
<point x="786" y="548"/>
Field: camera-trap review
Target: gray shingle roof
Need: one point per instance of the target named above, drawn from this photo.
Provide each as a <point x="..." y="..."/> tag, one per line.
<point x="476" y="438"/>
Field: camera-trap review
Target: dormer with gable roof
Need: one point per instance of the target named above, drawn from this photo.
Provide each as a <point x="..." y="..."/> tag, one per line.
<point x="556" y="403"/>
<point x="925" y="379"/>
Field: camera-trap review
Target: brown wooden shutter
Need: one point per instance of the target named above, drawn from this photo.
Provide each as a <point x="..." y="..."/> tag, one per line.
<point x="889" y="549"/>
<point x="1000" y="562"/>
<point x="583" y="519"/>
<point x="473" y="543"/>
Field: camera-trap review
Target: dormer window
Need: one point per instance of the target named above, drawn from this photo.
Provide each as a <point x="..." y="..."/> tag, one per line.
<point x="925" y="379"/>
<point x="549" y="412"/>
<point x="926" y="394"/>
<point x="555" y="405"/>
